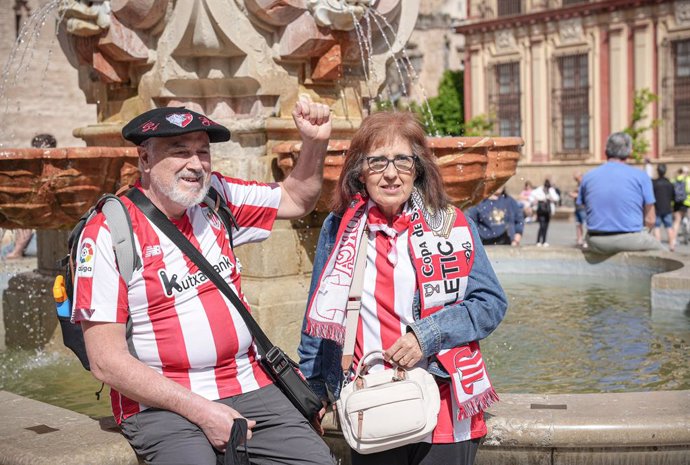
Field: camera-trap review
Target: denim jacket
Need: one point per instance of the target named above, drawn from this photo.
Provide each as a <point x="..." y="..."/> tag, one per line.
<point x="472" y="319"/>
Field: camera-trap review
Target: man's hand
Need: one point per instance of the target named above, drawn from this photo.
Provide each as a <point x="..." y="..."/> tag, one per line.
<point x="313" y="120"/>
<point x="405" y="352"/>
<point x="216" y="423"/>
<point x="112" y="363"/>
<point x="316" y="421"/>
<point x="302" y="186"/>
<point x="516" y="240"/>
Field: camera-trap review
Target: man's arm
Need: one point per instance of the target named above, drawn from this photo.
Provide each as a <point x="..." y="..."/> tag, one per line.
<point x="300" y="190"/>
<point x="112" y="364"/>
<point x="580" y="200"/>
<point x="649" y="216"/>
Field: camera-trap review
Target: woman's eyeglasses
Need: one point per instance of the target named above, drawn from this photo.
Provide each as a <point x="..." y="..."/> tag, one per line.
<point x="402" y="163"/>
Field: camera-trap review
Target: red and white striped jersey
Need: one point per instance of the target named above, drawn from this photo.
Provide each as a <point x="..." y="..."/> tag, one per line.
<point x="386" y="311"/>
<point x="183" y="326"/>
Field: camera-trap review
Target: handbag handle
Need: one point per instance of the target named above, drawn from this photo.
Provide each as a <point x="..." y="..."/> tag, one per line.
<point x="361" y="365"/>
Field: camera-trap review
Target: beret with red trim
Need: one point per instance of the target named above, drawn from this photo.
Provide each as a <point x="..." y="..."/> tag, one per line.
<point x="172" y="121"/>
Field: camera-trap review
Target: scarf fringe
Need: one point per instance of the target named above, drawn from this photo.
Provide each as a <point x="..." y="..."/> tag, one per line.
<point x="477" y="404"/>
<point x="331" y="331"/>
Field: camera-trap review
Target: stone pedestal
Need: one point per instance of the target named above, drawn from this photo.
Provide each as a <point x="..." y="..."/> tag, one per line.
<point x="276" y="275"/>
<point x="28" y="308"/>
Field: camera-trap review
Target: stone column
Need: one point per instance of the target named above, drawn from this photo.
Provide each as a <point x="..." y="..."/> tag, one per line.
<point x="618" y="82"/>
<point x="27" y="303"/>
<point x="276" y="275"/>
<point x="540" y="99"/>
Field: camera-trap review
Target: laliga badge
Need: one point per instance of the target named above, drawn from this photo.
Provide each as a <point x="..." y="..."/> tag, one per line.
<point x="87" y="254"/>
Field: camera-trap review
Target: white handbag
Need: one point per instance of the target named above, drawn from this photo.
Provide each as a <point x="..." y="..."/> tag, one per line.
<point x="387" y="409"/>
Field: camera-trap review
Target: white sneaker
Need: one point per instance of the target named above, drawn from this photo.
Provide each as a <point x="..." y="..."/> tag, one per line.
<point x="546" y="244"/>
<point x="538" y="244"/>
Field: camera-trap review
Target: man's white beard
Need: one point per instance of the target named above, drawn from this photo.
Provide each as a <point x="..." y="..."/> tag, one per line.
<point x="184" y="198"/>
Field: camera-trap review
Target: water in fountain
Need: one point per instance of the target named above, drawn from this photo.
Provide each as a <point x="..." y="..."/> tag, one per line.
<point x="409" y="68"/>
<point x="593" y="327"/>
<point x="566" y="334"/>
<point x="365" y="41"/>
<point x="21" y="56"/>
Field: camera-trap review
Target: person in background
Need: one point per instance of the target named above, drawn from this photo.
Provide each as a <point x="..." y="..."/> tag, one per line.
<point x="649" y="167"/>
<point x="25" y="239"/>
<point x="499" y="219"/>
<point x="545" y="199"/>
<point x="663" y="193"/>
<point x="525" y="201"/>
<point x="390" y="197"/>
<point x="619" y="200"/>
<point x="680" y="209"/>
<point x="580" y="213"/>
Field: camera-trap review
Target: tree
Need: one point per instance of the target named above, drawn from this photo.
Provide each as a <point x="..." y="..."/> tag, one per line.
<point x="641" y="101"/>
<point x="447" y="112"/>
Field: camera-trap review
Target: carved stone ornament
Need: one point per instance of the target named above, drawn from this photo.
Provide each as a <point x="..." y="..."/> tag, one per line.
<point x="570" y="30"/>
<point x="505" y="40"/>
<point x="682" y="12"/>
<point x="227" y="59"/>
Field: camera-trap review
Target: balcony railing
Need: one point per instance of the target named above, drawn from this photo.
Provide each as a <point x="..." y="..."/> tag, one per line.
<point x="509" y="7"/>
<point x="501" y="8"/>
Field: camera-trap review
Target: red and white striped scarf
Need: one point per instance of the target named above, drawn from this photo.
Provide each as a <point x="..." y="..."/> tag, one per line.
<point x="442" y="252"/>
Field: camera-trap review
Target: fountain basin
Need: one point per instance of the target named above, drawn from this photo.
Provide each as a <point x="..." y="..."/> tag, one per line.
<point x="502" y="162"/>
<point x="638" y="428"/>
<point x="52" y="188"/>
<point x="472" y="167"/>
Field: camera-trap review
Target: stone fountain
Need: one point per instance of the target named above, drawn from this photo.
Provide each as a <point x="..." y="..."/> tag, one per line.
<point x="243" y="63"/>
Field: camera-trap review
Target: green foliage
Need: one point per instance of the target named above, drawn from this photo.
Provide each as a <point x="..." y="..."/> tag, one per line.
<point x="480" y="125"/>
<point x="641" y="101"/>
<point x="383" y="105"/>
<point x="444" y="115"/>
<point x="447" y="111"/>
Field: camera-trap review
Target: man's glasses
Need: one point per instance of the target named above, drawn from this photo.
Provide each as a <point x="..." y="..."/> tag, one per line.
<point x="402" y="163"/>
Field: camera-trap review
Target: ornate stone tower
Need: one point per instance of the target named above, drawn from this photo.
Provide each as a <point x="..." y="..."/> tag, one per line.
<point x="243" y="63"/>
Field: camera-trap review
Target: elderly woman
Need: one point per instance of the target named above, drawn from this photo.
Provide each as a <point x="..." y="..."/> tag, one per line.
<point x="429" y="292"/>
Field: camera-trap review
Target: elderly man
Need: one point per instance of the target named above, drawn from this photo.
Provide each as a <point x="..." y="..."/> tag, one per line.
<point x="195" y="369"/>
<point x="619" y="201"/>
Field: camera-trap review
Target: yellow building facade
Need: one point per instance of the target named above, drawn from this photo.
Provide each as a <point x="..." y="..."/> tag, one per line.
<point x="563" y="74"/>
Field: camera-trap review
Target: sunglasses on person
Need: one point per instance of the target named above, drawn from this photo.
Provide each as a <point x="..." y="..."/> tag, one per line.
<point x="402" y="163"/>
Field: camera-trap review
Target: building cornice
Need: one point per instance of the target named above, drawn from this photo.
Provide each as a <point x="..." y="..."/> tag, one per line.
<point x="555" y="14"/>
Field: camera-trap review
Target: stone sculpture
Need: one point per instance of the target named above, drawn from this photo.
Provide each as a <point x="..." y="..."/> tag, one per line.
<point x="232" y="60"/>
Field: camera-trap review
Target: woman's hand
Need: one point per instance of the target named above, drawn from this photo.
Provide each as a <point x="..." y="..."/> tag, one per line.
<point x="405" y="352"/>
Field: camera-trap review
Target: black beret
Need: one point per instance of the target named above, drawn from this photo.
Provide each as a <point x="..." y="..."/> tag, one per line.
<point x="172" y="121"/>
